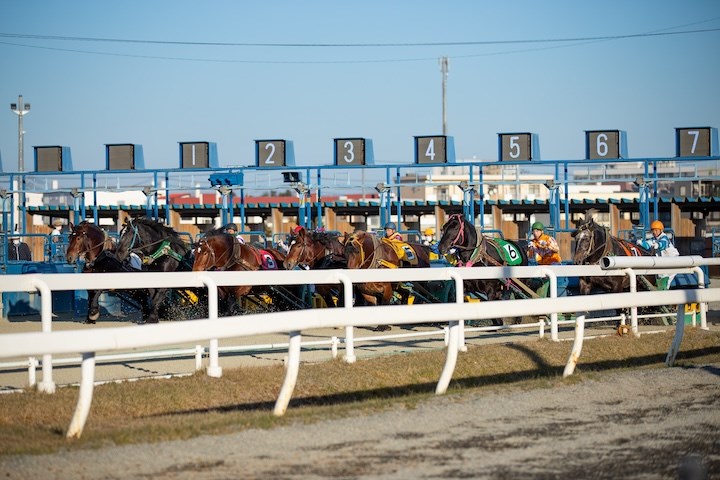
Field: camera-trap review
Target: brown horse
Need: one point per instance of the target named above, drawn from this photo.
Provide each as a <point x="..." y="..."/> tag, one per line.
<point x="93" y="246"/>
<point x="592" y="242"/>
<point x="363" y="250"/>
<point x="318" y="250"/>
<point x="217" y="250"/>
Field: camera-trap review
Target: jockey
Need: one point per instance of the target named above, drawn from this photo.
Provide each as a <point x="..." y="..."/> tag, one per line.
<point x="660" y="242"/>
<point x="542" y="247"/>
<point x="429" y="240"/>
<point x="661" y="245"/>
<point x="545" y="250"/>
<point x="391" y="232"/>
<point x="231" y="229"/>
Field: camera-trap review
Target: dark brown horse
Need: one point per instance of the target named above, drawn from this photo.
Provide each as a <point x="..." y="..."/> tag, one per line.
<point x="459" y="240"/>
<point x="318" y="250"/>
<point x="160" y="249"/>
<point x="220" y="251"/>
<point x="93" y="246"/>
<point x="592" y="242"/>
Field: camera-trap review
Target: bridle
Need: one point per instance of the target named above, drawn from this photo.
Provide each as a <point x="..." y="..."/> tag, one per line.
<point x="360" y="247"/>
<point x="205" y="245"/>
<point x="86" y="242"/>
<point x="303" y="247"/>
<point x="591" y="248"/>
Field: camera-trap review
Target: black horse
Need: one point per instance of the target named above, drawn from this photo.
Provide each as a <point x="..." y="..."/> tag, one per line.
<point x="161" y="250"/>
<point x="459" y="240"/>
<point x="592" y="242"/>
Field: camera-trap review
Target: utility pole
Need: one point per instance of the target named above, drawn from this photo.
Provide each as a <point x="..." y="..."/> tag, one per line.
<point x="20" y="109"/>
<point x="444" y="69"/>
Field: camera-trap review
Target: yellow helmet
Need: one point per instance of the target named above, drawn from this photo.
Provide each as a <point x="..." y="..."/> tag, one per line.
<point x="657" y="224"/>
<point x="429" y="231"/>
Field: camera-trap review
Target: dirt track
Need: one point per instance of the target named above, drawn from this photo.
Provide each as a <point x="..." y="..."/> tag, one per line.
<point x="633" y="424"/>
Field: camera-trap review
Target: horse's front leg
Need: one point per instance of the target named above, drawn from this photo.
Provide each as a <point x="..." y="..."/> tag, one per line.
<point x="93" y="306"/>
<point x="156" y="298"/>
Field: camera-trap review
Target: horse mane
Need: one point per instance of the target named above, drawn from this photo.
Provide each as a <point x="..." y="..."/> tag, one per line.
<point x="163" y="231"/>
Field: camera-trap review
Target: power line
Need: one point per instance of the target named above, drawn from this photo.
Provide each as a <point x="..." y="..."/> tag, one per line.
<point x="545" y="44"/>
<point x="353" y="45"/>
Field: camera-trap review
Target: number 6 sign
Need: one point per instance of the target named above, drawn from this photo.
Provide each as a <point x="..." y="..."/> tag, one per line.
<point x="605" y="144"/>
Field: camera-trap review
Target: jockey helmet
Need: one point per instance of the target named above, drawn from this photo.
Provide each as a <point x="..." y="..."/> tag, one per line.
<point x="538" y="226"/>
<point x="657" y="224"/>
<point x="390" y="225"/>
<point x="429" y="231"/>
<point x="297" y="229"/>
<point x="231" y="226"/>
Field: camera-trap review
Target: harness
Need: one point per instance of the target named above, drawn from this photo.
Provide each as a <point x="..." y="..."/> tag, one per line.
<point x="164" y="249"/>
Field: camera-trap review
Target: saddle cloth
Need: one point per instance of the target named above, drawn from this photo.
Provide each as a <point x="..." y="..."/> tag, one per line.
<point x="403" y="251"/>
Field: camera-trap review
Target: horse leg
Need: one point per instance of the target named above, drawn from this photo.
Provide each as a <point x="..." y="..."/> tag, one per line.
<point x="156" y="298"/>
<point x="383" y="296"/>
<point x="93" y="308"/>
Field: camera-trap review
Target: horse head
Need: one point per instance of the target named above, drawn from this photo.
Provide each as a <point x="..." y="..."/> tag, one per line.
<point x="301" y="250"/>
<point x="150" y="238"/>
<point x="589" y="240"/>
<point x="87" y="241"/>
<point x="214" y="250"/>
<point x="457" y="233"/>
<point x="358" y="250"/>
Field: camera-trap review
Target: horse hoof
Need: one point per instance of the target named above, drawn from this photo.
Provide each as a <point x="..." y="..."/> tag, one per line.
<point x="382" y="328"/>
<point x="93" y="315"/>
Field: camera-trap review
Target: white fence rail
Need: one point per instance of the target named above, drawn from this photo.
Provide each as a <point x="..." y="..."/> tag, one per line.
<point x="48" y="343"/>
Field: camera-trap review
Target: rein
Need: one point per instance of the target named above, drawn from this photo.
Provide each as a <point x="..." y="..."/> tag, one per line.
<point x="591" y="250"/>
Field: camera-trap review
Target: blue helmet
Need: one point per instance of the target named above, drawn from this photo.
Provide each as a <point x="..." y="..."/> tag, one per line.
<point x="390" y="225"/>
<point x="231" y="225"/>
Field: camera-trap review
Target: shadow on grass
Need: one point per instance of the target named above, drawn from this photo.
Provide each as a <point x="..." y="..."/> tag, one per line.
<point x="544" y="370"/>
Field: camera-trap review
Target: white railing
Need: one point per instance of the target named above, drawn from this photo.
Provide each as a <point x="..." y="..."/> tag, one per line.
<point x="48" y="343"/>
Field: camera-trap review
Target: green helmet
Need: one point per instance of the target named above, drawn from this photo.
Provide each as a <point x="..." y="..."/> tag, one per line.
<point x="538" y="226"/>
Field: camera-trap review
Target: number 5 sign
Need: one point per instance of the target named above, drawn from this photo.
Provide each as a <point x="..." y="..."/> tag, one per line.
<point x="517" y="146"/>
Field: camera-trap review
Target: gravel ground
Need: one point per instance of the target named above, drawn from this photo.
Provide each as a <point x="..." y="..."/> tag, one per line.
<point x="640" y="424"/>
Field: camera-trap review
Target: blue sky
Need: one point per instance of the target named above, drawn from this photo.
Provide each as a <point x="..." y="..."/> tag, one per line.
<point x="159" y="94"/>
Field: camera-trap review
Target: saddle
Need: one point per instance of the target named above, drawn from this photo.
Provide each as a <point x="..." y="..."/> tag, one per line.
<point x="404" y="251"/>
<point x="508" y="251"/>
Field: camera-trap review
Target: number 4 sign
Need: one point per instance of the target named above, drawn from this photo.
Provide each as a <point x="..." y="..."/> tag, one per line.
<point x="434" y="149"/>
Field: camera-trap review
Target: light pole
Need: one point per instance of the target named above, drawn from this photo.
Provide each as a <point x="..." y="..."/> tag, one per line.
<point x="20" y="109"/>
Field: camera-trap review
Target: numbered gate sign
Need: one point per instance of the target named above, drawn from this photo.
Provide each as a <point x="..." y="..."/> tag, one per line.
<point x="517" y="146"/>
<point x="274" y="153"/>
<point x="696" y="142"/>
<point x="438" y="149"/>
<point x="124" y="156"/>
<point x="198" y="155"/>
<point x="53" y="159"/>
<point x="605" y="144"/>
<point x="353" y="152"/>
